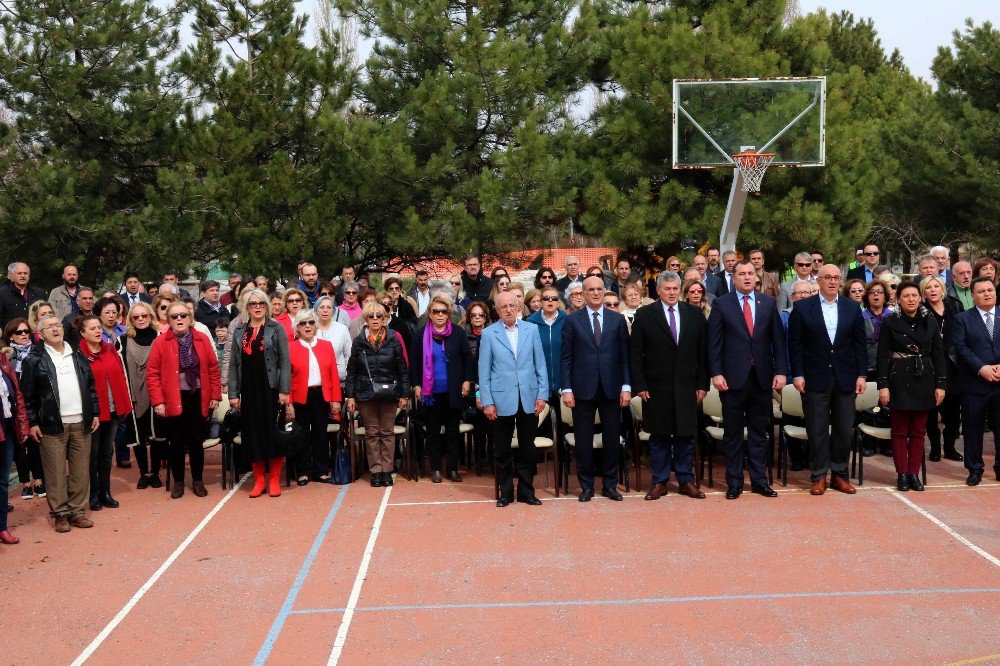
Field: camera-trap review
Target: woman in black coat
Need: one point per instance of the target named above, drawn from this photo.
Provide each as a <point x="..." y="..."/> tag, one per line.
<point x="912" y="376"/>
<point x="441" y="374"/>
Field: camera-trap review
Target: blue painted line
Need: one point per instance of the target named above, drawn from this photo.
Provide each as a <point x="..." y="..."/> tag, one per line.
<point x="659" y="600"/>
<point x="300" y="579"/>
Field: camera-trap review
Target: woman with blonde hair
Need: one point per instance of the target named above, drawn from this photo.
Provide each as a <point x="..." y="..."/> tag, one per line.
<point x="160" y="306"/>
<point x="891" y="282"/>
<point x="136" y="344"/>
<point x="693" y="293"/>
<point x="36" y="312"/>
<point x="293" y="300"/>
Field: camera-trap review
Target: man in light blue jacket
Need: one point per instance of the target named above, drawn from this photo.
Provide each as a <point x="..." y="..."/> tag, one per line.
<point x="513" y="388"/>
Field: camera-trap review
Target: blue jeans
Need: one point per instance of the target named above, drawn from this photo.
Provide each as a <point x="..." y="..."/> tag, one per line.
<point x="6" y="459"/>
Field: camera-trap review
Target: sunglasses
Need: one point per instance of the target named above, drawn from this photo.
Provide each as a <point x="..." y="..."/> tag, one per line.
<point x="675" y="265"/>
<point x="456" y="284"/>
<point x="294" y="300"/>
<point x="892" y="287"/>
<point x="22" y="331"/>
<point x="394" y="287"/>
<point x="307" y="322"/>
<point x="351" y="291"/>
<point x="872" y="254"/>
<point x="807" y="264"/>
<point x="876" y="292"/>
<point x="476" y="314"/>
<point x="179" y="315"/>
<point x="386" y="304"/>
<point x="611" y="305"/>
<point x="137" y="317"/>
<point x="550" y="298"/>
<point x="256" y="304"/>
<point x="374" y="316"/>
<point x="856" y="291"/>
<point x="439" y="311"/>
<point x="163" y="307"/>
<point x="819" y="261"/>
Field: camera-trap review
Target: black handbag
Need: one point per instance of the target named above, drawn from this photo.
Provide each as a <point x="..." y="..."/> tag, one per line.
<point x="288" y="437"/>
<point x="381" y="391"/>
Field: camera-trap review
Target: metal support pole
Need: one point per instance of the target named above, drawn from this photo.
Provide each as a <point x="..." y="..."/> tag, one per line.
<point x="734" y="213"/>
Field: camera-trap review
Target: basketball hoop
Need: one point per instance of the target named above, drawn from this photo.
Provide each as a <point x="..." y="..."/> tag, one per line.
<point x="753" y="165"/>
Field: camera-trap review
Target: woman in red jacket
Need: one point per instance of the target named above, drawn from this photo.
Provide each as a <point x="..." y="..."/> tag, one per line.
<point x="315" y="396"/>
<point x="182" y="376"/>
<point x="115" y="402"/>
<point x="13" y="432"/>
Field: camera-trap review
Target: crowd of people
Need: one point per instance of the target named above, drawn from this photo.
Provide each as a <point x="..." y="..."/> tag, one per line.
<point x="92" y="379"/>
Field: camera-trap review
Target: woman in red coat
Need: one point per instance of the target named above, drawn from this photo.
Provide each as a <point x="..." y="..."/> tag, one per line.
<point x="182" y="376"/>
<point x="13" y="432"/>
<point x="315" y="397"/>
<point x="115" y="402"/>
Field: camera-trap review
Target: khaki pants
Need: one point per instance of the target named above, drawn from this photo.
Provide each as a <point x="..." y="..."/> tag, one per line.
<point x="67" y="496"/>
<point x="379" y="419"/>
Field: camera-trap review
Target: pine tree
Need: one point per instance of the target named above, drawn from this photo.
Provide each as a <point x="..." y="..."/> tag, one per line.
<point x="94" y="124"/>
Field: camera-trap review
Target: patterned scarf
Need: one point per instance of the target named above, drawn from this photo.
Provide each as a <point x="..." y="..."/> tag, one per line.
<point x="190" y="364"/>
<point x="376" y="339"/>
<point x="427" y="381"/>
<point x="20" y="353"/>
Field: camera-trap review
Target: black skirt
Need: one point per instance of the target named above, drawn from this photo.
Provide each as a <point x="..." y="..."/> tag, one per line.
<point x="258" y="407"/>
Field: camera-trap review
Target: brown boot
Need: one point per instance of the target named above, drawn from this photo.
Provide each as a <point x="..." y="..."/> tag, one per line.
<point x="62" y="524"/>
<point x="818" y="487"/>
<point x="198" y="488"/>
<point x="81" y="521"/>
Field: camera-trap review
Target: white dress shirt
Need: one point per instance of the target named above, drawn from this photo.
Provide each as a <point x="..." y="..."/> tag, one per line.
<point x="677" y="317"/>
<point x="829" y="309"/>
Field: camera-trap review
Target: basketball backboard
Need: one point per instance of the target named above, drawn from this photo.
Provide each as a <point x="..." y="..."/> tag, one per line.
<point x="715" y="119"/>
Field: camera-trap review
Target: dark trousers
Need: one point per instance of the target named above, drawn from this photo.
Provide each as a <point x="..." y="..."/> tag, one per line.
<point x="908" y="432"/>
<point x="187" y="435"/>
<point x="829" y="424"/>
<point x="583" y="428"/>
<point x="976" y="409"/>
<point x="435" y="416"/>
<point x="28" y="459"/>
<point x="6" y="458"/>
<point x="949" y="413"/>
<point x="750" y="408"/>
<point x="102" y="449"/>
<point x="313" y="416"/>
<point x="668" y="452"/>
<point x="122" y="452"/>
<point x="148" y="461"/>
<point x="523" y="457"/>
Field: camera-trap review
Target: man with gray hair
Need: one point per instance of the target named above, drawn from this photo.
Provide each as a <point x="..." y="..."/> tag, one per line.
<point x="572" y="273"/>
<point x="961" y="284"/>
<point x="943" y="258"/>
<point x="803" y="265"/>
<point x="16" y="295"/>
<point x="669" y="371"/>
<point x="926" y="266"/>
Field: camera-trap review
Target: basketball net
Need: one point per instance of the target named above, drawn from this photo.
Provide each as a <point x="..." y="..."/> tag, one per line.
<point x="753" y="165"/>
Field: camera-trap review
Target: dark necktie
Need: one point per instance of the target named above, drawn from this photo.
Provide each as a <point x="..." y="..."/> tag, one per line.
<point x="597" y="330"/>
<point x="673" y="323"/>
<point x="989" y="324"/>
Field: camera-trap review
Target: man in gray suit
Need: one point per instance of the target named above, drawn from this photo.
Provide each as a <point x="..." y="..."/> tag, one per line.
<point x="513" y="389"/>
<point x="803" y="265"/>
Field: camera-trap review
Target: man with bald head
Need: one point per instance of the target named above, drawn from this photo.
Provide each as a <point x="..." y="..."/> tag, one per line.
<point x="17" y="295"/>
<point x="63" y="298"/>
<point x="595" y="379"/>
<point x="828" y="350"/>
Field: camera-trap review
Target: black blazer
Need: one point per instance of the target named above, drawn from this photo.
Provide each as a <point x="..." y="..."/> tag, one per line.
<point x="975" y="349"/>
<point x="670" y="371"/>
<point x="812" y="355"/>
<point x="584" y="365"/>
<point x="858" y="272"/>
<point x="731" y="348"/>
<point x="458" y="358"/>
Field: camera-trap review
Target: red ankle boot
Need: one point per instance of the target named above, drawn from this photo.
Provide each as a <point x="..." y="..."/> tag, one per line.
<point x="274" y="487"/>
<point x="259" y="480"/>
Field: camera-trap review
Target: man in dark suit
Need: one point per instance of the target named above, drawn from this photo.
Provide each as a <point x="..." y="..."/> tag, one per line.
<point x="132" y="293"/>
<point x="669" y="371"/>
<point x="726" y="271"/>
<point x="710" y="281"/>
<point x="866" y="270"/>
<point x="977" y="342"/>
<point x="828" y="350"/>
<point x="747" y="359"/>
<point x="595" y="379"/>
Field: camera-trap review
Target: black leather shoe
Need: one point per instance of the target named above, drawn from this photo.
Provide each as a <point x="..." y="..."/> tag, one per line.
<point x="454" y="477"/>
<point x="109" y="501"/>
<point x="387" y="479"/>
<point x="914" y="482"/>
<point x="377" y="480"/>
<point x="953" y="455"/>
<point x="502" y="502"/>
<point x="734" y="493"/>
<point x="143" y="482"/>
<point x="974" y="479"/>
<point x="436" y="477"/>
<point x="586" y="495"/>
<point x="934" y="455"/>
<point x="764" y="490"/>
<point x="533" y="501"/>
<point x="303" y="481"/>
<point x="612" y="494"/>
<point x="154" y="481"/>
<point x="95" y="503"/>
<point x="902" y="482"/>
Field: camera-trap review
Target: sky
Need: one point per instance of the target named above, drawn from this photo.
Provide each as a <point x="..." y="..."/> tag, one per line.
<point x="916" y="27"/>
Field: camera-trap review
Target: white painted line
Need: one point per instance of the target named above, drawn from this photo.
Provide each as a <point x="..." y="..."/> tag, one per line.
<point x="123" y="613"/>
<point x="961" y="539"/>
<point x="359" y="580"/>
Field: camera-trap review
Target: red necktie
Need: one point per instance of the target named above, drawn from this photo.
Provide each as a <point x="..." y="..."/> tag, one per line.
<point x="747" y="315"/>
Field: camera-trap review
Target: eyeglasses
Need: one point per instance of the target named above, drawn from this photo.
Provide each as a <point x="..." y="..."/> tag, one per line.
<point x="256" y="304"/>
<point x="137" y="317"/>
<point x="350" y="291"/>
<point x="550" y="298"/>
<point x="22" y="331"/>
<point x="179" y="315"/>
<point x="476" y="314"/>
<point x="374" y="316"/>
<point x="831" y="278"/>
<point x="163" y="307"/>
<point x="394" y="287"/>
<point x="456" y="284"/>
<point x="307" y="322"/>
<point x="677" y="265"/>
<point x="818" y="260"/>
<point x="613" y="304"/>
<point x="876" y="292"/>
<point x="856" y="291"/>
<point x="576" y="293"/>
<point x="439" y="311"/>
<point x="294" y="300"/>
<point x="892" y="287"/>
<point x="871" y="254"/>
<point x="807" y="264"/>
